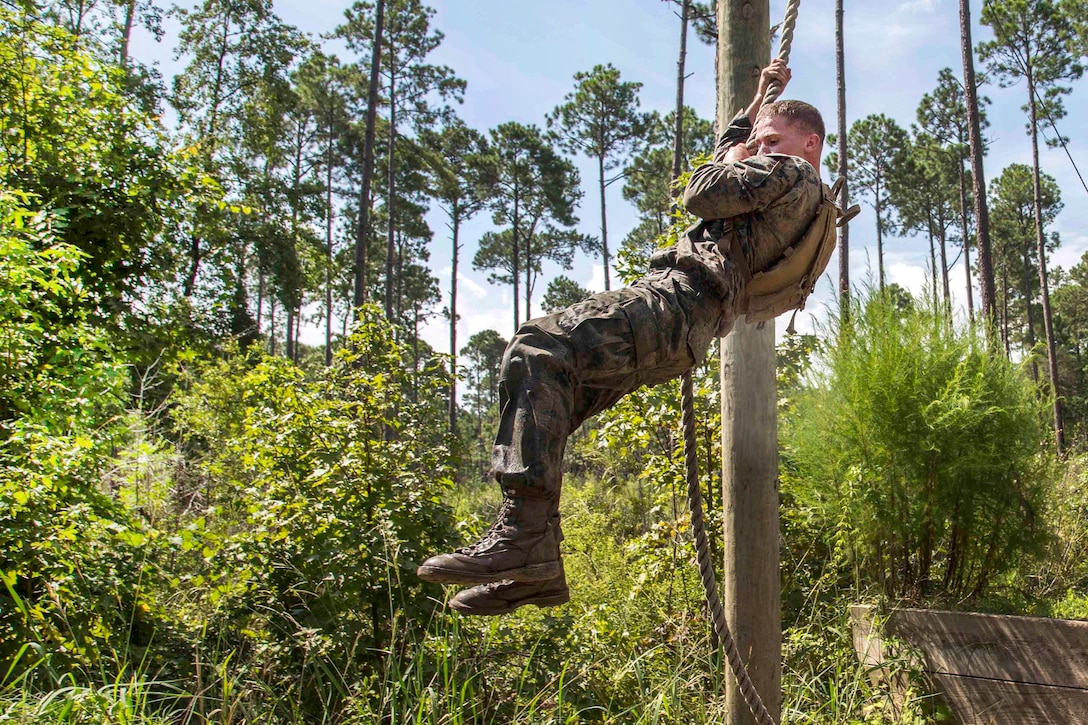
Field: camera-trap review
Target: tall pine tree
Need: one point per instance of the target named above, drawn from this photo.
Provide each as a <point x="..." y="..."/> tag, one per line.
<point x="533" y="189"/>
<point x="461" y="167"/>
<point x="600" y="118"/>
<point x="1034" y="41"/>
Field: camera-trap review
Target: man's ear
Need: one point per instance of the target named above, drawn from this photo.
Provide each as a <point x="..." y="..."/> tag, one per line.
<point x="813" y="142"/>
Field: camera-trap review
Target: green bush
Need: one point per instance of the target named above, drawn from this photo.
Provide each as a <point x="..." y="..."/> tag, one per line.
<point x="78" y="567"/>
<point x="918" y="452"/>
<point x="78" y="138"/>
<point x="317" y="500"/>
<point x="1055" y="583"/>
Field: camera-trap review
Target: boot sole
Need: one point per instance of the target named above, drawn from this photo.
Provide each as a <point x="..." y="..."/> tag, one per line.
<point x="531" y="573"/>
<point x="550" y="600"/>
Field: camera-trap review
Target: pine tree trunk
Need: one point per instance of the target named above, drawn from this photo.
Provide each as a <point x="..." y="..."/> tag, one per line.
<point x="455" y="222"/>
<point x="843" y="170"/>
<point x="514" y="244"/>
<point x="289" y="335"/>
<point x="298" y="332"/>
<point x="1005" y="309"/>
<point x="390" y="243"/>
<point x="272" y="325"/>
<point x="329" y="211"/>
<point x="398" y="275"/>
<point x="296" y="184"/>
<point x="195" y="256"/>
<point x="529" y="273"/>
<point x="604" y="225"/>
<point x="415" y="353"/>
<point x="362" y="229"/>
<point x="933" y="263"/>
<point x="966" y="242"/>
<point x="878" y="208"/>
<point x="978" y="177"/>
<point x="1026" y="292"/>
<point x="126" y="33"/>
<point x="1044" y="291"/>
<point x="942" y="239"/>
<point x="260" y="296"/>
<point x="209" y="135"/>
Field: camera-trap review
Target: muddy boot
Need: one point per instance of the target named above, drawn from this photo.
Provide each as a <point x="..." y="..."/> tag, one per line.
<point x="522" y="546"/>
<point x="506" y="596"/>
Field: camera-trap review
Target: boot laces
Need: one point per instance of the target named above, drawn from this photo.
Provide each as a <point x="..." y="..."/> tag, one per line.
<point x="498" y="529"/>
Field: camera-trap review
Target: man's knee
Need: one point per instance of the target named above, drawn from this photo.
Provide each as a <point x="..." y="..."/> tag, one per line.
<point x="535" y="351"/>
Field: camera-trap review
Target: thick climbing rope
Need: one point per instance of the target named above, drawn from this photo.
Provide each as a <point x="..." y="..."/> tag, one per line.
<point x="706" y="565"/>
<point x="695" y="497"/>
<point x="789" y="23"/>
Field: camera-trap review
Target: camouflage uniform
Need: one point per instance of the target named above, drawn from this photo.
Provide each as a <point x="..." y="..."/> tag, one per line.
<point x="561" y="369"/>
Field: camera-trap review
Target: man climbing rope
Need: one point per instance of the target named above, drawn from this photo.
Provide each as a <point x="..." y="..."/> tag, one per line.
<point x="561" y="369"/>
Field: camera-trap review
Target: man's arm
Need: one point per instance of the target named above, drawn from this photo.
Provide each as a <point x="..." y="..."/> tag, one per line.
<point x="724" y="190"/>
<point x="776" y="73"/>
<point x="740" y="128"/>
<point x="737" y="182"/>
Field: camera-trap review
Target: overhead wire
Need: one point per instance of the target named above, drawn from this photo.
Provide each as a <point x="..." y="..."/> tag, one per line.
<point x="1041" y="105"/>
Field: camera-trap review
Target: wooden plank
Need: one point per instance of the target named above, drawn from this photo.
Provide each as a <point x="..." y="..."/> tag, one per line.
<point x="1018" y="649"/>
<point x="989" y="669"/>
<point x="992" y="702"/>
<point x="868" y="640"/>
<point x="876" y="659"/>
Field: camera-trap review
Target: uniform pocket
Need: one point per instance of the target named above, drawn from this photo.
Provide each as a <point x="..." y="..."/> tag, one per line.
<point x="660" y="329"/>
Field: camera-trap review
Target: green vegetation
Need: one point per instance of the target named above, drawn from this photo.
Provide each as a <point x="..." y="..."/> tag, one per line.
<point x="917" y="450"/>
<point x="205" y="520"/>
<point x="248" y="557"/>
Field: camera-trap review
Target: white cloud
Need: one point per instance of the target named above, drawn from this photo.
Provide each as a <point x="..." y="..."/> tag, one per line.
<point x="472" y="286"/>
<point x="910" y="276"/>
<point x="913" y="8"/>
<point x="595" y="279"/>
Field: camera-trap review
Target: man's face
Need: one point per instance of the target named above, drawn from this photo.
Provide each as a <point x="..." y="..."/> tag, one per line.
<point x="778" y="135"/>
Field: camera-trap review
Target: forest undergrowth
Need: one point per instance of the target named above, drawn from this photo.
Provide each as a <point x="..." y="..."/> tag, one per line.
<point x="244" y="551"/>
<point x="206" y="521"/>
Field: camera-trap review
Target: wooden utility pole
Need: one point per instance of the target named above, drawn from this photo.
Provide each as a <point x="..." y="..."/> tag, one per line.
<point x="750" y="586"/>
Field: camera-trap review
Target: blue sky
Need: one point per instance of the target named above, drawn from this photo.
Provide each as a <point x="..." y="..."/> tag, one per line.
<point x="519" y="58"/>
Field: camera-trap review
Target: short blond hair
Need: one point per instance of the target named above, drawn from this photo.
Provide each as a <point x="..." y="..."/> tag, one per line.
<point x="797" y="112"/>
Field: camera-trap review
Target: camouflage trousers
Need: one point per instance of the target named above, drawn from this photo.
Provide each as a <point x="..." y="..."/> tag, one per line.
<point x="561" y="369"/>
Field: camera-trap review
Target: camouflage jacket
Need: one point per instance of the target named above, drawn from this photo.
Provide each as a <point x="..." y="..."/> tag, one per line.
<point x="767" y="201"/>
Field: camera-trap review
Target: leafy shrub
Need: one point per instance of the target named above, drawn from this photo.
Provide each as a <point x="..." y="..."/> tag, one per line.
<point x="918" y="451"/>
<point x="318" y="499"/>
<point x="77" y="137"/>
<point x="55" y="366"/>
<point x="1055" y="583"/>
<point x="77" y="566"/>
